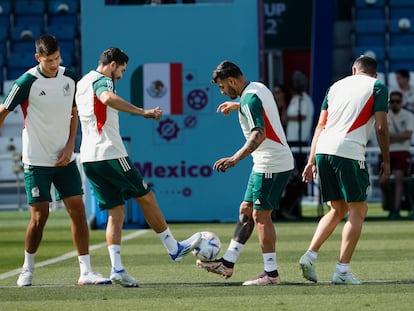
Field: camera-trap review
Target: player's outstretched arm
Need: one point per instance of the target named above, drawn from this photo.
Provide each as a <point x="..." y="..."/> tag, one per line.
<point x="226" y="107"/>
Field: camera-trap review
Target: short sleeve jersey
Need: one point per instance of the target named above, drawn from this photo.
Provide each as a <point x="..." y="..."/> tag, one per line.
<point x="47" y="110"/>
<point x="258" y="109"/>
<point x="351" y="103"/>
<point x="302" y="105"/>
<point x="101" y="139"/>
<point x="398" y="123"/>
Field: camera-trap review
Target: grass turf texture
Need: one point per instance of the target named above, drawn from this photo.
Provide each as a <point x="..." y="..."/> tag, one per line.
<point x="383" y="261"/>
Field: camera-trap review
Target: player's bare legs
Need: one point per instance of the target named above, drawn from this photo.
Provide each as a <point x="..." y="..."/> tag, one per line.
<point x="352" y="230"/>
<point x="265" y="230"/>
<point x="79" y="225"/>
<point x="155" y="219"/>
<point x="34" y="232"/>
<point x="152" y="212"/>
<point x="242" y="232"/>
<point x="328" y="223"/>
<point x="116" y="217"/>
<point x="325" y="227"/>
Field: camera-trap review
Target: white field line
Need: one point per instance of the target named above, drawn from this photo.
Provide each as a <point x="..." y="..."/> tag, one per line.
<point x="72" y="254"/>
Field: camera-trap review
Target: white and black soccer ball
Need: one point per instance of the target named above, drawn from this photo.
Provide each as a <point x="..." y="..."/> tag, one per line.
<point x="209" y="246"/>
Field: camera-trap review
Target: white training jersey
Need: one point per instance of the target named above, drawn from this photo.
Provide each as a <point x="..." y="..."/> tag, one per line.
<point x="100" y="123"/>
<point x="398" y="123"/>
<point x="300" y="105"/>
<point x="258" y="108"/>
<point x="351" y="104"/>
<point x="47" y="110"/>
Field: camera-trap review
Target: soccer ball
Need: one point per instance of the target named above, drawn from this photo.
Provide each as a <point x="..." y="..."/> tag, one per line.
<point x="209" y="246"/>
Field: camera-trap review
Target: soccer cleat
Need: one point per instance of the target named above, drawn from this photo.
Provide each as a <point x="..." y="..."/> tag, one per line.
<point x="123" y="278"/>
<point x="25" y="278"/>
<point x="216" y="266"/>
<point x="308" y="269"/>
<point x="92" y="278"/>
<point x="345" y="278"/>
<point x="186" y="246"/>
<point x="263" y="279"/>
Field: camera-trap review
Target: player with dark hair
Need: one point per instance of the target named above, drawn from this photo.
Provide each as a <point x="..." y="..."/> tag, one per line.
<point x="46" y="94"/>
<point x="113" y="176"/>
<point x="273" y="165"/>
<point x="348" y="112"/>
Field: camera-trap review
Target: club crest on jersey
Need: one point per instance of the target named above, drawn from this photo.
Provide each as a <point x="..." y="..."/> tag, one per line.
<point x="66" y="90"/>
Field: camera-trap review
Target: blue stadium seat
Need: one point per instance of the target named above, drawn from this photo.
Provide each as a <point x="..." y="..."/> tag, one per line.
<point x="401" y="56"/>
<point x="67" y="46"/>
<point x="29" y="7"/>
<point x="18" y="63"/>
<point x="5" y="7"/>
<point x="5" y="21"/>
<point x="4" y="34"/>
<point x="400" y="36"/>
<point x="369" y="32"/>
<point x="22" y="38"/>
<point x="377" y="52"/>
<point x="63" y="6"/>
<point x="63" y="19"/>
<point x="29" y="20"/>
<point x="63" y="32"/>
<point x="67" y="59"/>
<point x="365" y="10"/>
<point x="27" y="46"/>
<point x="18" y="32"/>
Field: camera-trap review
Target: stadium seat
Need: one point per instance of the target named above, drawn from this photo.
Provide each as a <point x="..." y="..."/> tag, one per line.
<point x="30" y="32"/>
<point x="5" y="9"/>
<point x="18" y="63"/>
<point x="364" y="10"/>
<point x="67" y="59"/>
<point x="62" y="32"/>
<point x="22" y="38"/>
<point x="29" y="7"/>
<point x="377" y="52"/>
<point x="63" y="6"/>
<point x="370" y="32"/>
<point x="63" y="19"/>
<point x="401" y="56"/>
<point x="401" y="32"/>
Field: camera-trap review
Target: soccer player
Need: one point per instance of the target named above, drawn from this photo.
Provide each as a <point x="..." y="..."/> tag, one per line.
<point x="273" y="165"/>
<point x="337" y="154"/>
<point x="46" y="94"/>
<point x="113" y="176"/>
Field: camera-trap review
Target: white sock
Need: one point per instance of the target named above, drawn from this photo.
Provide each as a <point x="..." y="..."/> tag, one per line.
<point x="115" y="256"/>
<point x="312" y="255"/>
<point x="233" y="251"/>
<point x="342" y="267"/>
<point x="84" y="264"/>
<point x="168" y="240"/>
<point x="29" y="261"/>
<point x="270" y="263"/>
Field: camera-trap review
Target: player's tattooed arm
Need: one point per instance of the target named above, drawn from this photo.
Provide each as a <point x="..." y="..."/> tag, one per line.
<point x="257" y="136"/>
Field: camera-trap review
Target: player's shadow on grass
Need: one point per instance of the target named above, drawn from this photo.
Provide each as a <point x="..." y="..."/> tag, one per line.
<point x="284" y="283"/>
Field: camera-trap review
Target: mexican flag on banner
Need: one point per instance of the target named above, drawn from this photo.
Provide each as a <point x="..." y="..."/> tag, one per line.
<point x="158" y="85"/>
